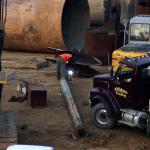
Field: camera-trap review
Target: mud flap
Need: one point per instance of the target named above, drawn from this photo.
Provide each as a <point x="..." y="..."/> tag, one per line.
<point x="107" y="103"/>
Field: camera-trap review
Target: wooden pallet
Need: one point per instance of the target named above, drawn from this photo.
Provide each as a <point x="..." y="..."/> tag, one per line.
<point x="8" y="130"/>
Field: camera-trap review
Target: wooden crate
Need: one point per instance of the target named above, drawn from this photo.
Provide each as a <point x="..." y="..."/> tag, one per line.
<point x="8" y="129"/>
<point x="37" y="96"/>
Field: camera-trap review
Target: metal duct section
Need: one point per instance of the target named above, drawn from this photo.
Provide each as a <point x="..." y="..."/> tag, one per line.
<point x="99" y="11"/>
<point x="34" y="25"/>
<point x="128" y="10"/>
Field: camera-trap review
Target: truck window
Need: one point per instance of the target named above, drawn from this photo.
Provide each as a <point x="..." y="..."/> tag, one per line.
<point x="140" y="32"/>
<point x="145" y="73"/>
<point x="125" y="74"/>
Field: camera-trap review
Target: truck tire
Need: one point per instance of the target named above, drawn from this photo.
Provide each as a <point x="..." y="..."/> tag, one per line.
<point x="100" y="116"/>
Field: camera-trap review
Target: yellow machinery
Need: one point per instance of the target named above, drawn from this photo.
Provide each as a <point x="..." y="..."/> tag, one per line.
<point x="136" y="40"/>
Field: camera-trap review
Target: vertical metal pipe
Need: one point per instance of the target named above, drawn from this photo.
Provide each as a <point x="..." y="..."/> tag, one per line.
<point x="128" y="10"/>
<point x="99" y="11"/>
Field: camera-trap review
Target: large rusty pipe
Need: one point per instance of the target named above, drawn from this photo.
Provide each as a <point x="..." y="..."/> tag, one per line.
<point x="29" y="25"/>
<point x="34" y="25"/>
<point x="38" y="24"/>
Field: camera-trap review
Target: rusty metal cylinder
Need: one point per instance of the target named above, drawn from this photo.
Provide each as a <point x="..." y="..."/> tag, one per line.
<point x="38" y="24"/>
<point x="128" y="10"/>
<point x="34" y="25"/>
<point x="99" y="11"/>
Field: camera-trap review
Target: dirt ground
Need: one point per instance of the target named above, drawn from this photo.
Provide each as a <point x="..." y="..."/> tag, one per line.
<point x="52" y="126"/>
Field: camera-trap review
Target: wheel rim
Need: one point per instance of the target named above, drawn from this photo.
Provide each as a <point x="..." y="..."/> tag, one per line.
<point x="101" y="117"/>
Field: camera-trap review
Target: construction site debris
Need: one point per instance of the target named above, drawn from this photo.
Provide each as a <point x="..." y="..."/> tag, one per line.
<point x="16" y="99"/>
<point x="42" y="65"/>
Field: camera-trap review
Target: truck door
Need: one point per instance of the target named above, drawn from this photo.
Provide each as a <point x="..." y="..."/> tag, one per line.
<point x="124" y="86"/>
<point x="143" y="86"/>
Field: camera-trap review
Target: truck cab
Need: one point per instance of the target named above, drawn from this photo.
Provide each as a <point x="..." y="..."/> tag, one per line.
<point x="137" y="41"/>
<point x="122" y="96"/>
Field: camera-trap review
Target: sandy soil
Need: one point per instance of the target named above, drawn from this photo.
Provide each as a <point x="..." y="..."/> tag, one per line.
<point x="52" y="126"/>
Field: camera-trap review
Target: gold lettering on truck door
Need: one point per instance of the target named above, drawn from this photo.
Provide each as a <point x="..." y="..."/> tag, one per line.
<point x="121" y="92"/>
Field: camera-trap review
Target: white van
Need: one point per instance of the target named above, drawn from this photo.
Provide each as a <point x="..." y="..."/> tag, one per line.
<point x="28" y="147"/>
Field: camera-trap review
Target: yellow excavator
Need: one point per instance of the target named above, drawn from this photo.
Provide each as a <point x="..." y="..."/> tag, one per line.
<point x="136" y="40"/>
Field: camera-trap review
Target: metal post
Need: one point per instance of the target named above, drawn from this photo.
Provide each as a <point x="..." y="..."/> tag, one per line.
<point x="80" y="129"/>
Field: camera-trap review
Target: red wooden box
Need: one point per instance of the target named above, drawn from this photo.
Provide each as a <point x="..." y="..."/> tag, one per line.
<point x="37" y="96"/>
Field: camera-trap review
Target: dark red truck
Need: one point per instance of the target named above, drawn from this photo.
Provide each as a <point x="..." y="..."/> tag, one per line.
<point x="122" y="96"/>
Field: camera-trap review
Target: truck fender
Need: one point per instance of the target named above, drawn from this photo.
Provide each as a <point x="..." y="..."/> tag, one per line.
<point x="107" y="103"/>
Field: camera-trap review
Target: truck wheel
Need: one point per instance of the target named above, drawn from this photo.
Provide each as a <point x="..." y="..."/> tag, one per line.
<point x="101" y="118"/>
